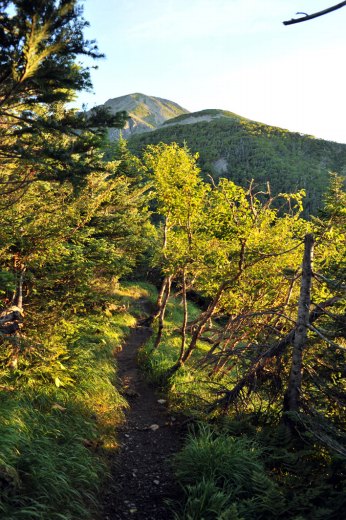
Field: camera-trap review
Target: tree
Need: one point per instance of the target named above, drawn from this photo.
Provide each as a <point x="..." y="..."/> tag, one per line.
<point x="180" y="195"/>
<point x="301" y="361"/>
<point x="227" y="245"/>
<point x="40" y="137"/>
<point x="65" y="211"/>
<point x="292" y="395"/>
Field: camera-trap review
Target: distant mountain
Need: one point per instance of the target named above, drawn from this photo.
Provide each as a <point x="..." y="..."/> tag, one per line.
<point x="237" y="148"/>
<point x="234" y="147"/>
<point x="203" y="115"/>
<point x="146" y="112"/>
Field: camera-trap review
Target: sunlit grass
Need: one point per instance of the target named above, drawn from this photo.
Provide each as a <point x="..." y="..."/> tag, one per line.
<point x="191" y="387"/>
<point x="59" y="411"/>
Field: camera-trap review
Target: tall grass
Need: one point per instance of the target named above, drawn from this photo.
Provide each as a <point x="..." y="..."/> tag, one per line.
<point x="58" y="413"/>
<point x="224" y="477"/>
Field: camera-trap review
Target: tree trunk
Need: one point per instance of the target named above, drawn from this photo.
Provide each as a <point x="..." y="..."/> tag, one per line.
<point x="162" y="312"/>
<point x="179" y="362"/>
<point x="11" y="320"/>
<point x="275" y="351"/>
<point x="148" y="321"/>
<point x="162" y="292"/>
<point x="293" y="392"/>
<point x="17" y="300"/>
<point x="205" y="317"/>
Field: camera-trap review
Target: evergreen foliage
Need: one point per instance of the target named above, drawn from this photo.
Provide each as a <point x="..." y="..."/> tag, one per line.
<point x="71" y="224"/>
<point x="40" y="136"/>
<point x="250" y="150"/>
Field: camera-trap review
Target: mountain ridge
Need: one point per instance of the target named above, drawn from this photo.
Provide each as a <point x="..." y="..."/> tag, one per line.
<point x="235" y="147"/>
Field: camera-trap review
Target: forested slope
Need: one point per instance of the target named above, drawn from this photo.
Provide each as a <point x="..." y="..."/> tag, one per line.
<point x="239" y="149"/>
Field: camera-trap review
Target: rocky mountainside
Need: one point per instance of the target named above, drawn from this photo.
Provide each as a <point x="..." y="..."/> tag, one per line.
<point x="146" y="112"/>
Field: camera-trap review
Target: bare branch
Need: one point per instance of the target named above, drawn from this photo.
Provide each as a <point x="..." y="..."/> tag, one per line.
<point x="314" y="15"/>
<point x="322" y="336"/>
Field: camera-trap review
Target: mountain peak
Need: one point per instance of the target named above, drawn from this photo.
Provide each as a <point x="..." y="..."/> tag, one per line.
<point x="146" y="112"/>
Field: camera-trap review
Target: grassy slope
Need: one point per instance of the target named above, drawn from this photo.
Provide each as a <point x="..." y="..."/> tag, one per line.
<point x="58" y="415"/>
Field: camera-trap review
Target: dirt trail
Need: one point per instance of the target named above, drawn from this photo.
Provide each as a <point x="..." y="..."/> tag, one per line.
<point x="142" y="475"/>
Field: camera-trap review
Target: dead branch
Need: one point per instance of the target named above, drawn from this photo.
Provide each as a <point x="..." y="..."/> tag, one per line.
<point x="314" y="15"/>
<point x="275" y="350"/>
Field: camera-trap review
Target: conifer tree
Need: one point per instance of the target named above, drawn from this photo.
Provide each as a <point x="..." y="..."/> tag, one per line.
<point x="40" y="137"/>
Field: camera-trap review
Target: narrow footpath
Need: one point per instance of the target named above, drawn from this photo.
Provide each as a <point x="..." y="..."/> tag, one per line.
<point x="142" y="474"/>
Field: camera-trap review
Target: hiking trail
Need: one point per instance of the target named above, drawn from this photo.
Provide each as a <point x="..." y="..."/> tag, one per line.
<point x="142" y="474"/>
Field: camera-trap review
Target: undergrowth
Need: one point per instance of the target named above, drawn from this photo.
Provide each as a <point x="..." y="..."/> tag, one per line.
<point x="230" y="475"/>
<point x="244" y="466"/>
<point x="59" y="408"/>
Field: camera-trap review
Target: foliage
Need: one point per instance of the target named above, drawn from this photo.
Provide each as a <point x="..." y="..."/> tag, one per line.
<point x="228" y="473"/>
<point x="41" y="41"/>
<point x="240" y="362"/>
<point x="224" y="477"/>
<point x="71" y="224"/>
<point x="59" y="409"/>
<point x="238" y="149"/>
<point x="74" y="220"/>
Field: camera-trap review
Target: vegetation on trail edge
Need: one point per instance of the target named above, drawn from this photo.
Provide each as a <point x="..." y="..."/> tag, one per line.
<point x="243" y="465"/>
<point x="59" y="412"/>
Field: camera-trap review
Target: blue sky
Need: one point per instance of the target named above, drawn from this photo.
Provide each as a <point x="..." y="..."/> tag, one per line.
<point x="230" y="54"/>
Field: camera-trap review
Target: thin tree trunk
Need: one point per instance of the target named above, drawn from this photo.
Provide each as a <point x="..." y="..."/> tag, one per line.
<point x="185" y="317"/>
<point x="205" y="317"/>
<point x="15" y="318"/>
<point x="293" y="392"/>
<point x="17" y="300"/>
<point x="162" y="312"/>
<point x="162" y="292"/>
<point x="148" y="321"/>
<point x="199" y="329"/>
<point x="179" y="363"/>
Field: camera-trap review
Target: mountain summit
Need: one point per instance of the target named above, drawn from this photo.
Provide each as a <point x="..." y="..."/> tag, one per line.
<point x="146" y="112"/>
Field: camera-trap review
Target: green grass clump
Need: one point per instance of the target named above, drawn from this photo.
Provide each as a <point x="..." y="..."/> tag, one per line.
<point x="224" y="477"/>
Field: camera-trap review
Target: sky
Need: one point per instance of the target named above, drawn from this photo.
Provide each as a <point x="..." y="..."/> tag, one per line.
<point x="234" y="55"/>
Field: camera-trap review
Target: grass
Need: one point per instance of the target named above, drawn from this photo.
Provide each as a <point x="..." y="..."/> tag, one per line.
<point x="191" y="387"/>
<point x="59" y="410"/>
<point x="224" y="478"/>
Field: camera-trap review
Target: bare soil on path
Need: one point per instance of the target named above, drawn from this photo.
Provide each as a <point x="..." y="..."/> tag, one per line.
<point x="142" y="473"/>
